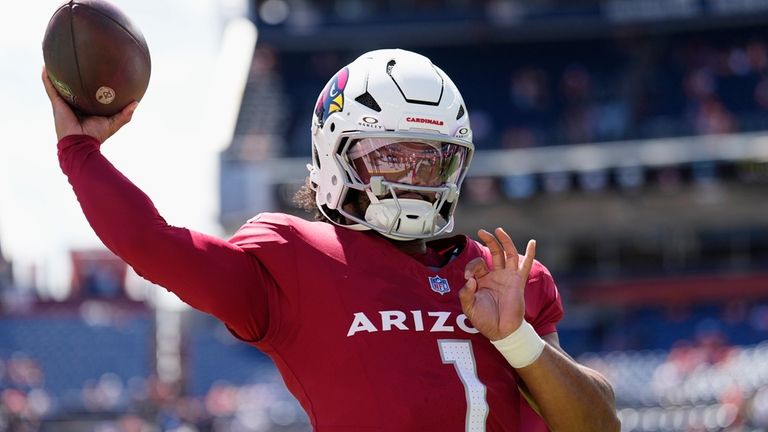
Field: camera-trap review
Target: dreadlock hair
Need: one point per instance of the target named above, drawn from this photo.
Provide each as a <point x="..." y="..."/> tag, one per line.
<point x="304" y="198"/>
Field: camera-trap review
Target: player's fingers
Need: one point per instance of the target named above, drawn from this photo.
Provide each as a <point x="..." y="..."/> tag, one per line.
<point x="120" y="119"/>
<point x="467" y="297"/>
<point x="49" y="89"/>
<point x="127" y="113"/>
<point x="476" y="268"/>
<point x="530" y="254"/>
<point x="512" y="257"/>
<point x="497" y="253"/>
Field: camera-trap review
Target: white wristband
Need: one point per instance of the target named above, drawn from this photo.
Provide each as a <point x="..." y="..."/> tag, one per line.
<point x="522" y="347"/>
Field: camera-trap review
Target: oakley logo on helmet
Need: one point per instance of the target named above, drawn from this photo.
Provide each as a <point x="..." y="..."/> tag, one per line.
<point x="331" y="99"/>
<point x="424" y="121"/>
<point x="370" y="123"/>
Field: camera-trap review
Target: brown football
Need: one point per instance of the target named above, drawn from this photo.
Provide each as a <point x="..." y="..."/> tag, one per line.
<point x="96" y="57"/>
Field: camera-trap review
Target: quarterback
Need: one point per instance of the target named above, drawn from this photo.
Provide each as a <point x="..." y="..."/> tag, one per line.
<point x="376" y="319"/>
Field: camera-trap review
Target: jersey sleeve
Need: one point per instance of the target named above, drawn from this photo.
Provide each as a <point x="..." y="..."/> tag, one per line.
<point x="210" y="274"/>
<point x="543" y="305"/>
<point x="273" y="240"/>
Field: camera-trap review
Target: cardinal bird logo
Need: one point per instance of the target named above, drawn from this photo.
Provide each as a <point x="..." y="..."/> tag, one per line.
<point x="331" y="99"/>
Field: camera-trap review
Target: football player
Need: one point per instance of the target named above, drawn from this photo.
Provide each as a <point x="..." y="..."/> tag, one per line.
<point x="375" y="319"/>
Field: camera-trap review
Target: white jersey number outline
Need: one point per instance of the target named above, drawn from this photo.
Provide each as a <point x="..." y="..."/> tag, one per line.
<point x="459" y="353"/>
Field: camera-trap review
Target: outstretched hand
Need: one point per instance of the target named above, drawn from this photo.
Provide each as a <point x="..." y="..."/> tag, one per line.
<point x="68" y="123"/>
<point x="494" y="300"/>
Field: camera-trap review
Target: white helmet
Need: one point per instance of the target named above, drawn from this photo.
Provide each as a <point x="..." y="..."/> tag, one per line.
<point x="393" y="126"/>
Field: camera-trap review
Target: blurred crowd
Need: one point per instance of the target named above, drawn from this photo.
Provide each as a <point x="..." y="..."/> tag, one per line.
<point x="692" y="369"/>
<point x="694" y="88"/>
<point x="298" y="14"/>
<point x="703" y="385"/>
<point x="545" y="93"/>
<point x="694" y="387"/>
<point x="110" y="403"/>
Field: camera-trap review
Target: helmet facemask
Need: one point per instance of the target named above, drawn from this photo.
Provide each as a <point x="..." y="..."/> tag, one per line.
<point x="411" y="182"/>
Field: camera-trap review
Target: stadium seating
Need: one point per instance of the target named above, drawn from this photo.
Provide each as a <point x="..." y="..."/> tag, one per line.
<point x="580" y="91"/>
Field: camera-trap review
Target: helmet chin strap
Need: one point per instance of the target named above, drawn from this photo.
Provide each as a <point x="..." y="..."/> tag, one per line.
<point x="406" y="216"/>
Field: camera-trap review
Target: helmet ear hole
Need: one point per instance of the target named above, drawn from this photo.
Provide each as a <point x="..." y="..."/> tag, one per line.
<point x="333" y="127"/>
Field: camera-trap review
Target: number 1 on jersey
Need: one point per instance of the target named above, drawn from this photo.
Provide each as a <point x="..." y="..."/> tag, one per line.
<point x="459" y="354"/>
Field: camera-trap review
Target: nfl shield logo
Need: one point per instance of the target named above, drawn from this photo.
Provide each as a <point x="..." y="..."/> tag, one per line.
<point x="439" y="285"/>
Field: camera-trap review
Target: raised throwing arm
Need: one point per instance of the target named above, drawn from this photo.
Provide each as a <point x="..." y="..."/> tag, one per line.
<point x="208" y="273"/>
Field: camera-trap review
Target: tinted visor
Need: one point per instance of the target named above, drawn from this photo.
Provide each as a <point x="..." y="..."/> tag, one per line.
<point x="414" y="162"/>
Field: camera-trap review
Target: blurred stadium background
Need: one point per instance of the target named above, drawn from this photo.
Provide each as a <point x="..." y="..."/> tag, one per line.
<point x="629" y="137"/>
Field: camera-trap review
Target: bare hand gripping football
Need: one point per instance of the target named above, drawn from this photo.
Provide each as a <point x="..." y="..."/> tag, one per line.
<point x="67" y="123"/>
<point x="96" y="58"/>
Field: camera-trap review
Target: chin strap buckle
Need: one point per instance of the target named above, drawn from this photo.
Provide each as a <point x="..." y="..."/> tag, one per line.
<point x="453" y="193"/>
<point x="313" y="177"/>
<point x="377" y="186"/>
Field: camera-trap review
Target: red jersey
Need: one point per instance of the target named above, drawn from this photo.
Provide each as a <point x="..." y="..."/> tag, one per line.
<point x="365" y="336"/>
